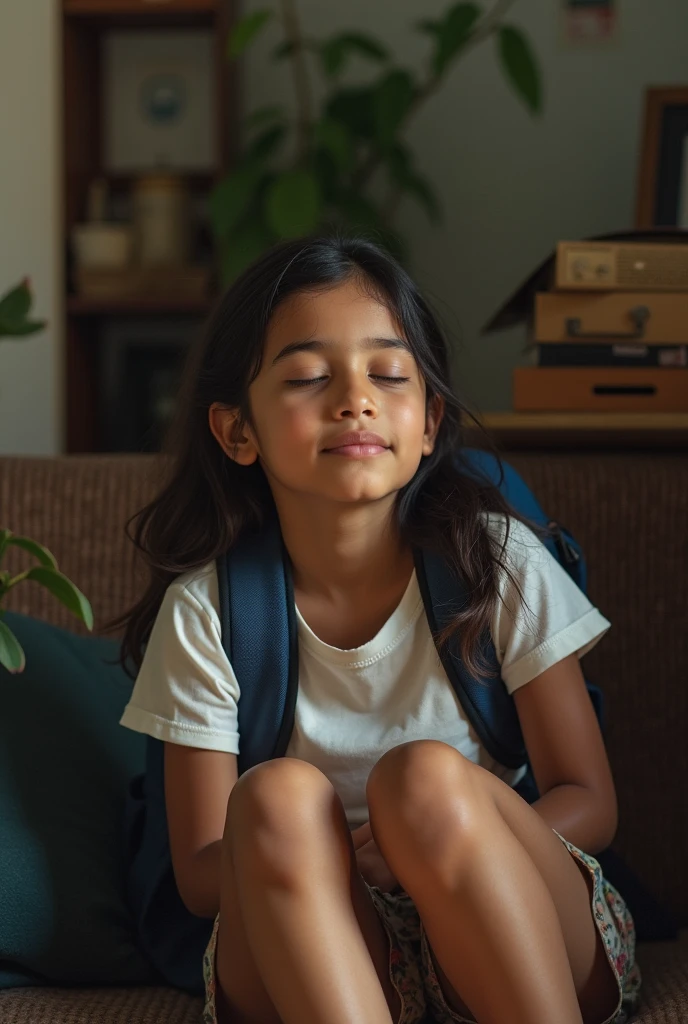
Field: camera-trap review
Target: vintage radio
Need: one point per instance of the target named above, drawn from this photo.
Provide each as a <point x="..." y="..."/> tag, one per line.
<point x="599" y="389"/>
<point x="621" y="266"/>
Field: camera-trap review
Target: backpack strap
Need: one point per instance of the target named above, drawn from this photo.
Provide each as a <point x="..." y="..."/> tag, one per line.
<point x="485" y="699"/>
<point x="258" y="629"/>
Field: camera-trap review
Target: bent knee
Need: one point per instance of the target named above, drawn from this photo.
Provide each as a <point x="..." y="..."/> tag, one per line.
<point x="274" y="793"/>
<point x="273" y="808"/>
<point x="424" y="782"/>
<point x="421" y="770"/>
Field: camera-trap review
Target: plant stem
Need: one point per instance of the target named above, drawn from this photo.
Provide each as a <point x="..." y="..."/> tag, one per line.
<point x="302" y="85"/>
<point x="485" y="28"/>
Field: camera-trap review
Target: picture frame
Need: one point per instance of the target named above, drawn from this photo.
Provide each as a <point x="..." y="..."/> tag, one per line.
<point x="159" y="102"/>
<point x="662" y="197"/>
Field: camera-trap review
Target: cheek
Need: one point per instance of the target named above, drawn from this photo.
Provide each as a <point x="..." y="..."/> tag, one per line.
<point x="291" y="424"/>
<point x="410" y="419"/>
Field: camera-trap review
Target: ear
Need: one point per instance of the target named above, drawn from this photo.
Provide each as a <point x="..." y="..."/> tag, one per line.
<point x="433" y="418"/>
<point x="237" y="444"/>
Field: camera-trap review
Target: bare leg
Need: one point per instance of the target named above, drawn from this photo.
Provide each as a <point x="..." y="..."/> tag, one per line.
<point x="507" y="932"/>
<point x="300" y="941"/>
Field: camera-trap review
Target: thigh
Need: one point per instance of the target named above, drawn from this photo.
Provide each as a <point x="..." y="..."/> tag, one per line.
<point x="240" y="996"/>
<point x="570" y="886"/>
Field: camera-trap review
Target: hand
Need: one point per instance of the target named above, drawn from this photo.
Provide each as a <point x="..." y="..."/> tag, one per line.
<point x="373" y="867"/>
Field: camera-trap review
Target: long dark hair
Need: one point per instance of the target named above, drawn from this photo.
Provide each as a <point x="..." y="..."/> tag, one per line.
<point x="208" y="499"/>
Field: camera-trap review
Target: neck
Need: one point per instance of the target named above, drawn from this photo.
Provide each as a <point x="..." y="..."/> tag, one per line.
<point x="346" y="551"/>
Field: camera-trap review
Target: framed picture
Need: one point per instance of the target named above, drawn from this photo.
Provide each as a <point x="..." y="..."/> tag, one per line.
<point x="663" y="180"/>
<point x="159" y="102"/>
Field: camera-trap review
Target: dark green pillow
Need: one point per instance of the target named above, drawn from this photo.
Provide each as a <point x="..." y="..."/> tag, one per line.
<point x="65" y="764"/>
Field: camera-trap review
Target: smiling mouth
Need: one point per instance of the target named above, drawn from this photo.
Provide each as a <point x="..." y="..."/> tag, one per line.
<point x="357" y="450"/>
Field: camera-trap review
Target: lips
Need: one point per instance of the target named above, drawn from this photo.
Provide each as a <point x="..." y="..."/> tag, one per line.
<point x="357" y="438"/>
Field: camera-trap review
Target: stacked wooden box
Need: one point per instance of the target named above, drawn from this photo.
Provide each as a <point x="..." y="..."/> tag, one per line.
<point x="612" y="333"/>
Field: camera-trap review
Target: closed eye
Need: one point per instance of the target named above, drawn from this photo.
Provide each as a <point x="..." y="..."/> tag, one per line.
<point x="318" y="380"/>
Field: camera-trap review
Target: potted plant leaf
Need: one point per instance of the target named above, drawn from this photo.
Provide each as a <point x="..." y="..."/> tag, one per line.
<point x="15" y="306"/>
<point x="343" y="160"/>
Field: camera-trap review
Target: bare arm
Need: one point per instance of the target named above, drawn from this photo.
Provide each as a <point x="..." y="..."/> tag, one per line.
<point x="197" y="788"/>
<point x="568" y="756"/>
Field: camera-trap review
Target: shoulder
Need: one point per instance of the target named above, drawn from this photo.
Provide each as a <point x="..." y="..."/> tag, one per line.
<point x="190" y="606"/>
<point x="198" y="587"/>
<point x="519" y="546"/>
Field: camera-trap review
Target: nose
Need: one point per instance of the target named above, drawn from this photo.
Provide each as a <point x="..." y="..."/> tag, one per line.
<point x="356" y="398"/>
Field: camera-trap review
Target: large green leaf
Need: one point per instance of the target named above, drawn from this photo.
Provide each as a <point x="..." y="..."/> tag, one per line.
<point x="336" y="139"/>
<point x="244" y="245"/>
<point x="245" y="30"/>
<point x="64" y="590"/>
<point x="10" y="329"/>
<point x="336" y="51"/>
<point x="293" y="204"/>
<point x="354" y="108"/>
<point x="34" y="548"/>
<point x="392" y="101"/>
<point x="16" y="303"/>
<point x="14" y="308"/>
<point x="521" y="66"/>
<point x="267" y="143"/>
<point x="452" y="33"/>
<point x="230" y="200"/>
<point x="11" y="653"/>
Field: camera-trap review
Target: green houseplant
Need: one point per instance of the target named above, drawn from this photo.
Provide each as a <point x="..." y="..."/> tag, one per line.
<point x="15" y="306"/>
<point x="344" y="160"/>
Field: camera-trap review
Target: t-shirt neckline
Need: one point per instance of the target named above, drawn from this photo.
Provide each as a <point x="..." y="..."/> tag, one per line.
<point x="386" y="639"/>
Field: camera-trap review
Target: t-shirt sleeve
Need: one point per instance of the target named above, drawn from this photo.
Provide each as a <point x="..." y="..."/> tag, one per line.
<point x="186" y="691"/>
<point x="552" y="619"/>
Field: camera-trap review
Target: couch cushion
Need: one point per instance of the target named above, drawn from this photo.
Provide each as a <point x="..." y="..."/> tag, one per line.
<point x="91" y="1005"/>
<point x="65" y="764"/>
<point x="664" y="966"/>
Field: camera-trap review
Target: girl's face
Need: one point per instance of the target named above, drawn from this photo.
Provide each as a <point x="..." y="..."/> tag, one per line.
<point x="334" y="362"/>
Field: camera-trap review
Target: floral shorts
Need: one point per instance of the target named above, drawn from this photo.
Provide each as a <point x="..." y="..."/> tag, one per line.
<point x="413" y="973"/>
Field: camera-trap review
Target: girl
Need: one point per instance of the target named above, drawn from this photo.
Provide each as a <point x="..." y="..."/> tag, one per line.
<point x="385" y="869"/>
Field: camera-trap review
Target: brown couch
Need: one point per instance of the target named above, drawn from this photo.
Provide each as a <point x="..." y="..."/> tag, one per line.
<point x="630" y="511"/>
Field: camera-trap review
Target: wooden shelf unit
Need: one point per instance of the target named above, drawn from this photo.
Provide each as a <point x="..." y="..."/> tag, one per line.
<point x="78" y="305"/>
<point x="143" y="13"/>
<point x="629" y="431"/>
<point x="85" y="24"/>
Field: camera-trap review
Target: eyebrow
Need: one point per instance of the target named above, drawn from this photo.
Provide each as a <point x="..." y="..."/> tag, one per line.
<point x="315" y="345"/>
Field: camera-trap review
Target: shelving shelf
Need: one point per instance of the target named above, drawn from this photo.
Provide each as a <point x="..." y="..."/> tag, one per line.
<point x="143" y="13"/>
<point x="588" y="430"/>
<point x="78" y="305"/>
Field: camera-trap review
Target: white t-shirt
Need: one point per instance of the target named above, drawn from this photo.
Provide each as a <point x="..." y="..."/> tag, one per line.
<point x="354" y="705"/>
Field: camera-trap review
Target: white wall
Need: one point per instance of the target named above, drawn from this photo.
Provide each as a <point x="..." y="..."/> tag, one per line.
<point x="511" y="184"/>
<point x="30" y="211"/>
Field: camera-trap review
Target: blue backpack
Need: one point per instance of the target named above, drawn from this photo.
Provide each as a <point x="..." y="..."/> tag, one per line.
<point x="259" y="636"/>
